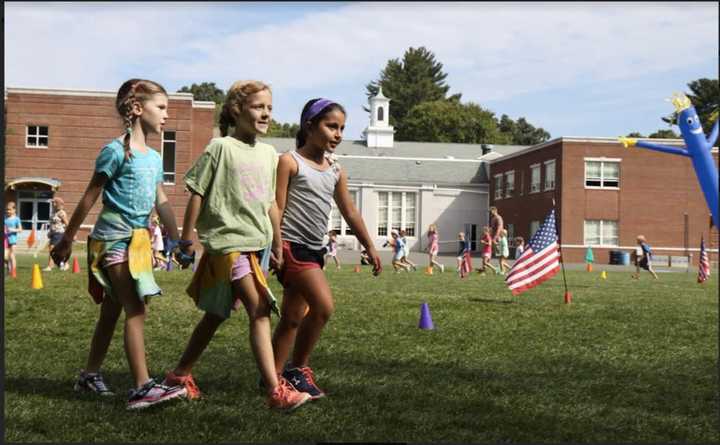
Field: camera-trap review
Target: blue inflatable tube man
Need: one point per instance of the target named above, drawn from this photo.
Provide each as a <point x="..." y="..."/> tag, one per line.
<point x="697" y="149"/>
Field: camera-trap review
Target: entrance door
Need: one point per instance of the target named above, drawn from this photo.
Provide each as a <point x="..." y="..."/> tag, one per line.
<point x="34" y="211"/>
<point x="471" y="235"/>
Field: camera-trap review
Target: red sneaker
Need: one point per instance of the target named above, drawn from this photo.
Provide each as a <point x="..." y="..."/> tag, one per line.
<point x="285" y="397"/>
<point x="171" y="379"/>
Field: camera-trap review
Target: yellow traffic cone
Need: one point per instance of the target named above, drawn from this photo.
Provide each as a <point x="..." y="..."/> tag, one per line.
<point x="603" y="275"/>
<point x="36" y="277"/>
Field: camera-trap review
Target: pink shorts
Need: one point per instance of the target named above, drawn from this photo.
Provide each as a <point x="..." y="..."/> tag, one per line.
<point x="240" y="267"/>
<point x="434" y="249"/>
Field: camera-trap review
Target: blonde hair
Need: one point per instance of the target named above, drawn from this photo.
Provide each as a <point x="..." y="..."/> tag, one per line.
<point x="432" y="228"/>
<point x="131" y="92"/>
<point x="236" y="96"/>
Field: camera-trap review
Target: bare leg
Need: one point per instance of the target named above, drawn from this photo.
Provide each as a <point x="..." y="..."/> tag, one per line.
<point x="315" y="290"/>
<point x="134" y="335"/>
<point x="292" y="314"/>
<point x="199" y="340"/>
<point x="104" y="328"/>
<point x="258" y="312"/>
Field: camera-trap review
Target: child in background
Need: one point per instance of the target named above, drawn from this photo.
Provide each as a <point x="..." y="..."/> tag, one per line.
<point x="12" y="228"/>
<point x="158" y="247"/>
<point x="643" y="255"/>
<point x="504" y="251"/>
<point x="129" y="174"/>
<point x="406" y="251"/>
<point x="519" y="246"/>
<point x="232" y="200"/>
<point x="308" y="181"/>
<point x="398" y="252"/>
<point x="332" y="249"/>
<point x="58" y="222"/>
<point x="487" y="243"/>
<point x="433" y="247"/>
<point x="462" y="247"/>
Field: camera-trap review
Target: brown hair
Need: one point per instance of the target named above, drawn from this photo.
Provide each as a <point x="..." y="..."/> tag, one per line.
<point x="131" y="92"/>
<point x="236" y="96"/>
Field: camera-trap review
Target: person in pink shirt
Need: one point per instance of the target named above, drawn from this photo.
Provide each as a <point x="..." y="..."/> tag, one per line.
<point x="433" y="248"/>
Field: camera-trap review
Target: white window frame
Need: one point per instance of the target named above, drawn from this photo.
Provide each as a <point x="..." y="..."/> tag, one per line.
<point x="534" y="226"/>
<point x="602" y="162"/>
<point x="498" y="185"/>
<point x="335" y="214"/>
<point x="535" y="186"/>
<point x="162" y="155"/>
<point x="403" y="212"/>
<point x="36" y="134"/>
<point x="603" y="242"/>
<point x="550" y="184"/>
<point x="509" y="183"/>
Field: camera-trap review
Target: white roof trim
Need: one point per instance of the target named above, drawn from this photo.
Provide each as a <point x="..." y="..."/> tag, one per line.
<point x="396" y="158"/>
<point x="78" y="92"/>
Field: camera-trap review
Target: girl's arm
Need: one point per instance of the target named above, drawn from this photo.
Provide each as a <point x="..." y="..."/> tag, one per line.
<point x="166" y="214"/>
<point x="63" y="218"/>
<point x="276" y="249"/>
<point x="192" y="211"/>
<point x="286" y="169"/>
<point x="61" y="252"/>
<point x="355" y="221"/>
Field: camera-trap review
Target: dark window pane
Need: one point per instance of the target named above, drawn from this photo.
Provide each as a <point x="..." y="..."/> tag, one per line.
<point x="26" y="210"/>
<point x="32" y="141"/>
<point x="26" y="225"/>
<point x="592" y="183"/>
<point x="43" y="209"/>
<point x="43" y="131"/>
<point x="382" y="231"/>
<point x="169" y="177"/>
<point x="43" y="141"/>
<point x="610" y="183"/>
<point x="169" y="135"/>
<point x="169" y="157"/>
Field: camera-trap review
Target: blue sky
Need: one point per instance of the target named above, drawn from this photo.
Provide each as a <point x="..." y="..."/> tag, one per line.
<point x="575" y="69"/>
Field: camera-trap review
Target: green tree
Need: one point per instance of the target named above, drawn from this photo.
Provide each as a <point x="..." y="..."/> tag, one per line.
<point x="278" y="130"/>
<point x="664" y="134"/>
<point x="207" y="91"/>
<point x="705" y="97"/>
<point x="418" y="78"/>
<point x="635" y="134"/>
<point x="451" y="121"/>
<point x="520" y="132"/>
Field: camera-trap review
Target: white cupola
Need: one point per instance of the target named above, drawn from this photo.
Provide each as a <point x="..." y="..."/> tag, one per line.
<point x="380" y="133"/>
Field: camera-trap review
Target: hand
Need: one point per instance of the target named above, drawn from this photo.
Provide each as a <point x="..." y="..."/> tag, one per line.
<point x="185" y="254"/>
<point x="62" y="250"/>
<point x="375" y="261"/>
<point x="276" y="258"/>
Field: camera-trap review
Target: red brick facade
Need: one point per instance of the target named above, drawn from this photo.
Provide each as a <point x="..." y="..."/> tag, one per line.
<point x="658" y="196"/>
<point x="79" y="123"/>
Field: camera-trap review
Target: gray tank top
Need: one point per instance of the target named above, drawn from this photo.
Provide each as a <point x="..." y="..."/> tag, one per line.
<point x="309" y="201"/>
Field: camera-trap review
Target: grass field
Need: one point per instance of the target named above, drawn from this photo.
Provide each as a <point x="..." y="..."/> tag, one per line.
<point x="627" y="361"/>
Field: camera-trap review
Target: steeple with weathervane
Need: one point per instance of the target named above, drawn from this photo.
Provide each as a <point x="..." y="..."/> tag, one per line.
<point x="379" y="134"/>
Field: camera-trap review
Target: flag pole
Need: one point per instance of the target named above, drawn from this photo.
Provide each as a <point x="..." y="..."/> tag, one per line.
<point x="568" y="295"/>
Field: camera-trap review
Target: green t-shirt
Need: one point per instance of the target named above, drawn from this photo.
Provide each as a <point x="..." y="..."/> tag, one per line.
<point x="237" y="183"/>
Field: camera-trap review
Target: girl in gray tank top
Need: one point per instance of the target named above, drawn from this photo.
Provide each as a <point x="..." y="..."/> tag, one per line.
<point x="307" y="182"/>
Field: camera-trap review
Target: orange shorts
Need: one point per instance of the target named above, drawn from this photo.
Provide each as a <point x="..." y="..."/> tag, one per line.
<point x="299" y="257"/>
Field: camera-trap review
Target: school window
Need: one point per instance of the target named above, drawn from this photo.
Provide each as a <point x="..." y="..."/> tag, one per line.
<point x="510" y="233"/>
<point x="534" y="225"/>
<point x="600" y="233"/>
<point x="498" y="186"/>
<point x="602" y="174"/>
<point x="337" y="222"/>
<point x="396" y="210"/>
<point x="36" y="136"/>
<point x="550" y="175"/>
<point x="471" y="236"/>
<point x="534" y="178"/>
<point x="168" y="156"/>
<point x="509" y="183"/>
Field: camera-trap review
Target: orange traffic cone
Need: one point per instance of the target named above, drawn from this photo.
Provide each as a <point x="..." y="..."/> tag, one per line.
<point x="568" y="297"/>
<point x="429" y="270"/>
<point x="13" y="272"/>
<point x="76" y="265"/>
<point x="357" y="268"/>
<point x="36" y="278"/>
<point x="588" y="267"/>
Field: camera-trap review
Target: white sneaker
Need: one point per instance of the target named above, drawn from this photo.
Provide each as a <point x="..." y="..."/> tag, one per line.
<point x="442" y="268"/>
<point x="48" y="269"/>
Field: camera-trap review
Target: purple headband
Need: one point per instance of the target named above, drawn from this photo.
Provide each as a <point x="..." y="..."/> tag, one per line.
<point x="315" y="108"/>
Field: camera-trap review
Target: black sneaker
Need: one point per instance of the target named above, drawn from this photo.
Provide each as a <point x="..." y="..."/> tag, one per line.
<point x="152" y="393"/>
<point x="303" y="380"/>
<point x="92" y="382"/>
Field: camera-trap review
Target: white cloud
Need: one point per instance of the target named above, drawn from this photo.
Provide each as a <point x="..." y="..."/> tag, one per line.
<point x="492" y="52"/>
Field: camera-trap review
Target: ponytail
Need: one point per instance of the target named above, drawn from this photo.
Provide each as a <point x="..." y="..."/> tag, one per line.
<point x="131" y="92"/>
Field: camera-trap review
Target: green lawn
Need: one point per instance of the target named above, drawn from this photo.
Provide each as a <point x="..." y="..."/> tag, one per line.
<point x="627" y="361"/>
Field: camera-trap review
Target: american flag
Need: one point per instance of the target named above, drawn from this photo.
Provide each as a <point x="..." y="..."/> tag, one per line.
<point x="540" y="261"/>
<point x="703" y="264"/>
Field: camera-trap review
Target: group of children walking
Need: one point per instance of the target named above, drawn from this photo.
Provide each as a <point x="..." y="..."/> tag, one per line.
<point x="249" y="207"/>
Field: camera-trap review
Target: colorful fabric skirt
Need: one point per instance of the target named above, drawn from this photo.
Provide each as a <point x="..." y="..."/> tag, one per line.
<point x="136" y="251"/>
<point x="211" y="285"/>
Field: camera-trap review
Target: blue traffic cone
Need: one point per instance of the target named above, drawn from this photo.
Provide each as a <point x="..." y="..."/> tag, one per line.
<point x="169" y="265"/>
<point x="425" y="318"/>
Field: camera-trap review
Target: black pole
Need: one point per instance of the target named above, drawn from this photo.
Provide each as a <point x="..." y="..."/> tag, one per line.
<point x="562" y="260"/>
